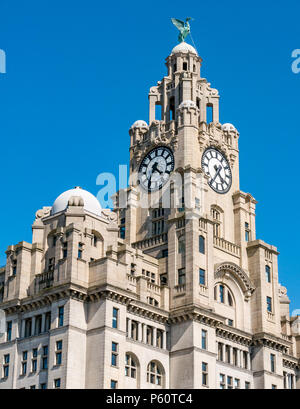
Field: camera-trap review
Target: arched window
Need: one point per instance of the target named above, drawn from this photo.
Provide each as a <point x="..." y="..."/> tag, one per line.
<point x="155" y="373"/>
<point x="216" y="214"/>
<point x="223" y="295"/>
<point x="152" y="301"/>
<point x="202" y="244"/>
<point x="130" y="366"/>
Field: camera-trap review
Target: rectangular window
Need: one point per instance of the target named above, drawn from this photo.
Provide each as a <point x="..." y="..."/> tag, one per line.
<point x="230" y="322"/>
<point x="122" y="232"/>
<point x="32" y="387"/>
<point x="247" y="385"/>
<point x="113" y="384"/>
<point x="274" y="386"/>
<point x="58" y="355"/>
<point x="201" y="276"/>
<point x="57" y="383"/>
<point x="114" y="354"/>
<point x="268" y="274"/>
<point x="14" y="267"/>
<point x="65" y="249"/>
<point x="229" y="382"/>
<point x="43" y="386"/>
<point x="80" y="250"/>
<point x="220" y="351"/>
<point x="204" y="339"/>
<point x="269" y="304"/>
<point x="60" y="316"/>
<point x="45" y="357"/>
<point x="272" y="362"/>
<point x="222" y="381"/>
<point x="247" y="232"/>
<point x="47" y="321"/>
<point x="34" y="360"/>
<point x="28" y="323"/>
<point x="24" y="368"/>
<point x="236" y="383"/>
<point x="38" y="325"/>
<point x="6" y="365"/>
<point x="33" y="365"/>
<point x="204" y="374"/>
<point x="115" y="317"/>
<point x="202" y="244"/>
<point x="8" y="330"/>
<point x="181" y="276"/>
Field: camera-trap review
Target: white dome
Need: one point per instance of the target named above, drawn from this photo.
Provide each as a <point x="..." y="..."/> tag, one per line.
<point x="187" y="104"/>
<point x="184" y="48"/>
<point x="228" y="127"/>
<point x="91" y="204"/>
<point x="139" y="124"/>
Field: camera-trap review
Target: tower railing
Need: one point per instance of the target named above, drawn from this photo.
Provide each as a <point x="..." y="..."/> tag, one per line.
<point x="151" y="241"/>
<point x="227" y="246"/>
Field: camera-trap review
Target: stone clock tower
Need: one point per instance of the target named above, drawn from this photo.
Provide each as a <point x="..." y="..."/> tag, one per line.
<point x="217" y="271"/>
<point x="171" y="289"/>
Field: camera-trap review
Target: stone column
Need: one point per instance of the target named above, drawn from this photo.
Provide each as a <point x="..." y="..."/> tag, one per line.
<point x="22" y="331"/>
<point x="145" y="333"/>
<point x="33" y="326"/>
<point x="164" y="339"/>
<point x="129" y="335"/>
<point x="248" y="361"/>
<point x="43" y="322"/>
<point x="154" y="336"/>
<point x="238" y="355"/>
<point x="231" y="355"/>
<point x="223" y="353"/>
<point x="140" y="332"/>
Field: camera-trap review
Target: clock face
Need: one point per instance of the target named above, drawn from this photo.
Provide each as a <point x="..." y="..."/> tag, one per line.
<point x="155" y="169"/>
<point x="216" y="166"/>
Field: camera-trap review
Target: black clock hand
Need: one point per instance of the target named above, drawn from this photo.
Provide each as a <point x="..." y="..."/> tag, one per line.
<point x="218" y="169"/>
<point x="154" y="168"/>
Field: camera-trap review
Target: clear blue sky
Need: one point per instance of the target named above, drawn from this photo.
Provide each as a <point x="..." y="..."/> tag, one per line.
<point x="78" y="75"/>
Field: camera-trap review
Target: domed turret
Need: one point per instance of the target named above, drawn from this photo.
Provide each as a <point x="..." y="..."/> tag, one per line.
<point x="85" y="198"/>
<point x="184" y="48"/>
<point x="139" y="124"/>
<point x="228" y="127"/>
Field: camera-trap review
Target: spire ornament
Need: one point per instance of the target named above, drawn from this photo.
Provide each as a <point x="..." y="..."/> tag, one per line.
<point x="183" y="27"/>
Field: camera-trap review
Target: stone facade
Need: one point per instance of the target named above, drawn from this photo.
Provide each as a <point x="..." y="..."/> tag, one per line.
<point x="177" y="296"/>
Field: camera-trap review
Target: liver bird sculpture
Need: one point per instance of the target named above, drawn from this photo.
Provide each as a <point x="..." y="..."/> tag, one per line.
<point x="183" y="27"/>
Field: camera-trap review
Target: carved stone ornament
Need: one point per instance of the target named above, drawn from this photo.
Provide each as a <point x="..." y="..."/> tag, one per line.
<point x="238" y="274"/>
<point x="44" y="212"/>
<point x="109" y="215"/>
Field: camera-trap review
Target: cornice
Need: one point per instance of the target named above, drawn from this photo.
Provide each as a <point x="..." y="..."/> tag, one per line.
<point x="271" y="341"/>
